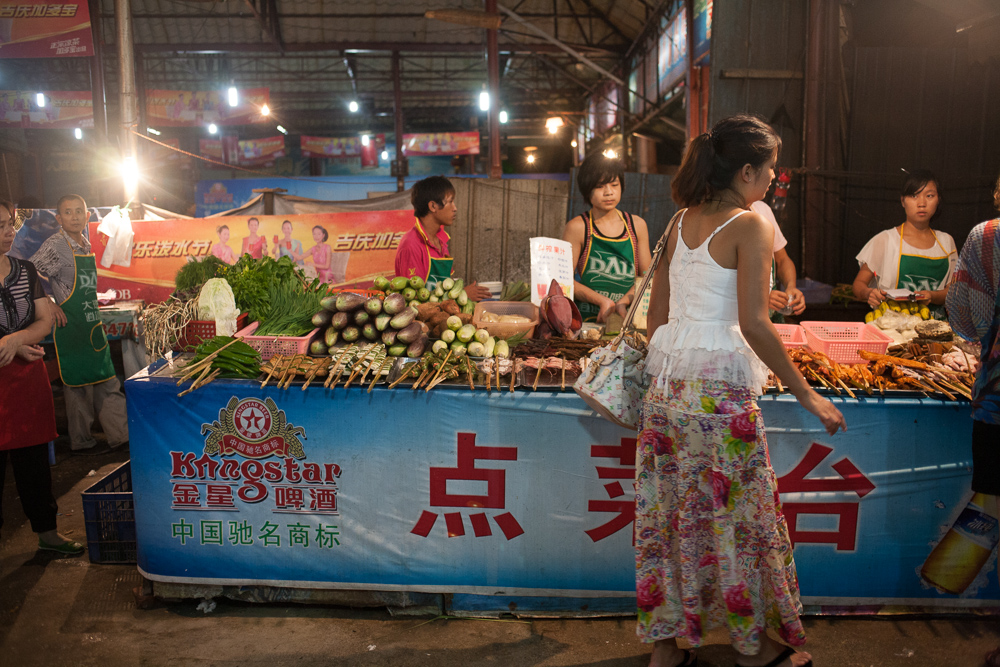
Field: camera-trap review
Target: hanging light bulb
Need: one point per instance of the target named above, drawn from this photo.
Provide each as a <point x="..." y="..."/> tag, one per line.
<point x="610" y="154"/>
<point x="353" y="106"/>
<point x="78" y="133"/>
<point x="531" y="158"/>
<point x="365" y="140"/>
<point x="503" y="116"/>
<point x="213" y="128"/>
<point x="553" y="124"/>
<point x="40" y="99"/>
<point x="265" y="110"/>
<point x="385" y="155"/>
<point x="234" y="96"/>
<point x="484" y="100"/>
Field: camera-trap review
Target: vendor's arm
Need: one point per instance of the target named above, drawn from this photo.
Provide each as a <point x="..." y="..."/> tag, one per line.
<point x="29" y="336"/>
<point x="753" y="271"/>
<point x="873" y="296"/>
<point x="477" y="292"/>
<point x="575" y="233"/>
<point x="785" y="270"/>
<point x="643" y="262"/>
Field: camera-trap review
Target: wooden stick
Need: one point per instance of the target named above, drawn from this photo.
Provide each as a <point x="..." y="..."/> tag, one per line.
<point x="469" y="372"/>
<point x="452" y="373"/>
<point x="273" y="362"/>
<point x="489" y="377"/>
<point x="405" y="374"/>
<point x="420" y="379"/>
<point x="440" y="368"/>
<point x="497" y="370"/>
<point x="194" y="385"/>
<point x="378" y="373"/>
<point x="541" y="364"/>
<point x="359" y="364"/>
<point x="846" y="388"/>
<point x="293" y="369"/>
<point x="562" y="385"/>
<point x="335" y="369"/>
<point x="951" y="396"/>
<point x="513" y="368"/>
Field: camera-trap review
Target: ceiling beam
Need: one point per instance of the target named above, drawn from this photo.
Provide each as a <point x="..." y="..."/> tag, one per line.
<point x="411" y="47"/>
<point x="263" y="23"/>
<point x="607" y="21"/>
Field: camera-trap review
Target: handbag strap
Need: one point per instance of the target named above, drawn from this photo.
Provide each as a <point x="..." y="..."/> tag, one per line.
<point x="657" y="253"/>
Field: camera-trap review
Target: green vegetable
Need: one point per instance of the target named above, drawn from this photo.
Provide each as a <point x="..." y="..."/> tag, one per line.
<point x="373" y="305"/>
<point x="195" y="274"/>
<point x="463" y="298"/>
<point x="477" y="349"/>
<point x="350" y="334"/>
<point x="439" y="292"/>
<point x="394" y="303"/>
<point x="398" y="284"/>
<point x="466" y="333"/>
<point x="448" y="336"/>
<point x="481" y="336"/>
<point x="382" y="321"/>
<point x="439" y="347"/>
<point x="409" y="294"/>
<point x="381" y="283"/>
<point x="501" y="350"/>
<point x="361" y="317"/>
<point x="416" y="282"/>
<point x="402" y="319"/>
<point x="288" y="311"/>
<point x="456" y="289"/>
<point x="424" y="294"/>
<point x="397" y="351"/>
<point x="490" y="345"/>
<point x="317" y="348"/>
<point x="447" y="284"/>
<point x="454" y="322"/>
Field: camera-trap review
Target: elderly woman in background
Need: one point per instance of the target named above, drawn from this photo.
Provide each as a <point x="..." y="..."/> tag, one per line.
<point x="26" y="408"/>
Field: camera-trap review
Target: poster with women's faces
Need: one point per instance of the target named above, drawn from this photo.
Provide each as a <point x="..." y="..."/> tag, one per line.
<point x="344" y="250"/>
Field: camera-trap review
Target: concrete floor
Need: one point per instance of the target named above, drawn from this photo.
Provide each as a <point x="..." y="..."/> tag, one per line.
<point x="67" y="611"/>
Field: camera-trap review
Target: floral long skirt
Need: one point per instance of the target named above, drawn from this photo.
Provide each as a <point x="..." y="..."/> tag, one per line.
<point x="712" y="547"/>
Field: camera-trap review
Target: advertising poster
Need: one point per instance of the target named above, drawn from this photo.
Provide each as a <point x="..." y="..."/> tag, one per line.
<point x="64" y="109"/>
<point x="40" y="29"/>
<point x="528" y="493"/>
<point x="335" y="147"/>
<point x="244" y="152"/>
<point x="672" y="64"/>
<point x="342" y="249"/>
<point x="702" y="31"/>
<point x="441" y="143"/>
<point x="188" y="108"/>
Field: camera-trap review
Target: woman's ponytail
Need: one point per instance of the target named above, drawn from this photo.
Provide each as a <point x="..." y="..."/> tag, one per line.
<point x="690" y="185"/>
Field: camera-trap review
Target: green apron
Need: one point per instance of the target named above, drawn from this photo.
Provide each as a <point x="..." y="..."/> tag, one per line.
<point x="81" y="346"/>
<point x="920" y="273"/>
<point x="438" y="268"/>
<point x="606" y="266"/>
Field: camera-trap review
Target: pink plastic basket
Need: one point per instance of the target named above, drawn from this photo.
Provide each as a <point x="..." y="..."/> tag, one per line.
<point x="841" y="340"/>
<point x="268" y="346"/>
<point x="198" y="331"/>
<point x="792" y="335"/>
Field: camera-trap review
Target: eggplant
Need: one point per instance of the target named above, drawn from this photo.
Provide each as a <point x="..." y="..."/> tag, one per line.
<point x="403" y="319"/>
<point x="396" y="351"/>
<point x="329" y="303"/>
<point x="350" y="334"/>
<point x="417" y="347"/>
<point x="394" y="304"/>
<point x="382" y="321"/>
<point x="361" y="317"/>
<point x="340" y="320"/>
<point x="317" y="348"/>
<point x="331" y="336"/>
<point x="389" y="336"/>
<point x="347" y="301"/>
<point x="373" y="306"/>
<point x="369" y="332"/>
<point x="410" y="333"/>
<point x="322" y="318"/>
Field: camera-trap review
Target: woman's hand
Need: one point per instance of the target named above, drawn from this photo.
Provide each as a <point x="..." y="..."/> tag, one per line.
<point x="58" y="315"/>
<point x="622" y="306"/>
<point x="477" y="292"/>
<point x="798" y="300"/>
<point x="607" y="307"/>
<point x="777" y="299"/>
<point x="922" y="296"/>
<point x="31" y="352"/>
<point x="9" y="346"/>
<point x="875" y="297"/>
<point x="827" y="413"/>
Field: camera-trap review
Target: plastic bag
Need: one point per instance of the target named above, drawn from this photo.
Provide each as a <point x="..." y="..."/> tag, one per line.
<point x="117" y="226"/>
<point x="216" y="302"/>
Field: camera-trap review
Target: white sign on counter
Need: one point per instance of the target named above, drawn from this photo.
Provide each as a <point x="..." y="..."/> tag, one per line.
<point x="551" y="259"/>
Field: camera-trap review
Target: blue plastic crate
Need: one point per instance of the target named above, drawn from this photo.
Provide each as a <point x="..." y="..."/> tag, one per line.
<point x="109" y="516"/>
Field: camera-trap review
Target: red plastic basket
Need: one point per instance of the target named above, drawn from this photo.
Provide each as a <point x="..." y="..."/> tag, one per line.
<point x="198" y="331"/>
<point x="268" y="346"/>
<point x="841" y="340"/>
<point x="792" y="335"/>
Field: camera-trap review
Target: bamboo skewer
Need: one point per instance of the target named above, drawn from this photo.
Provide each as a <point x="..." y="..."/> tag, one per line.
<point x="405" y="374"/>
<point x="497" y="368"/>
<point x="846" y="388"/>
<point x="416" y="385"/>
<point x="562" y="385"/>
<point x="273" y="361"/>
<point x="378" y="373"/>
<point x="359" y="364"/>
<point x="335" y="370"/>
<point x="440" y="368"/>
<point x="541" y="365"/>
<point x="469" y="372"/>
<point x="489" y="377"/>
<point x="513" y="367"/>
<point x="194" y="384"/>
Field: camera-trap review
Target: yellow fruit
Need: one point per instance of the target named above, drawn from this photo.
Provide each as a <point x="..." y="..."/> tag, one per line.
<point x="870" y="316"/>
<point x="925" y="313"/>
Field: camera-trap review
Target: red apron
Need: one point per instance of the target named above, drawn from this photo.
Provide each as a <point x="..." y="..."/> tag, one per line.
<point x="27" y="414"/>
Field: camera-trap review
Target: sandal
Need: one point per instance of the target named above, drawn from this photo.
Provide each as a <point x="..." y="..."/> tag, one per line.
<point x="784" y="655"/>
<point x="67" y="548"/>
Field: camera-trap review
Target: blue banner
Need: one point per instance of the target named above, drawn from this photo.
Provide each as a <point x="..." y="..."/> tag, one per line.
<point x="523" y="494"/>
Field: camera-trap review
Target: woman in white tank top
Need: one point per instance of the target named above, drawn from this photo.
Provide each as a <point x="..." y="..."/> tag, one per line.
<point x="712" y="547"/>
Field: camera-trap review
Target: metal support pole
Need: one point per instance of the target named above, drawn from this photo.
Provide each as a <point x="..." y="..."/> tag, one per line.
<point x="97" y="92"/>
<point x="397" y="94"/>
<point x="693" y="120"/>
<point x="493" y="67"/>
<point x="129" y="105"/>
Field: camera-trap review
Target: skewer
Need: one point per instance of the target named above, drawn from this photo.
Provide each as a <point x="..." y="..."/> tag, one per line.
<point x="452" y="373"/>
<point x="562" y="385"/>
<point x="541" y="364"/>
<point x="469" y="371"/>
<point x="194" y="385"/>
<point x="951" y="396"/>
<point x="846" y="388"/>
<point x="293" y="369"/>
<point x="378" y="374"/>
<point x="497" y="369"/>
<point x="489" y="376"/>
<point x="273" y="361"/>
<point x="405" y="374"/>
<point x="423" y="376"/>
<point x="513" y="368"/>
<point x="335" y="370"/>
<point x="440" y="368"/>
<point x="359" y="364"/>
<point x="317" y="367"/>
<point x="188" y="371"/>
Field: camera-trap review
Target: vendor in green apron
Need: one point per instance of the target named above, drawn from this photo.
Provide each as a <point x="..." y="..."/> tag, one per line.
<point x="911" y="256"/>
<point x="89" y="381"/>
<point x="423" y="251"/>
<point x="610" y="248"/>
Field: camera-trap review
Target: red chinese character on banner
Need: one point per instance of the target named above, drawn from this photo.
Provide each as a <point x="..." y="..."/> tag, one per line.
<point x="495" y="498"/>
<point x="219" y="496"/>
<point x="851" y="479"/>
<point x="288" y="497"/>
<point x="624" y="508"/>
<point x="186" y="495"/>
<point x="323" y="500"/>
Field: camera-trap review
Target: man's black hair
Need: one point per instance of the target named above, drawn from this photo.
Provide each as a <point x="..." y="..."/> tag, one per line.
<point x="432" y="188"/>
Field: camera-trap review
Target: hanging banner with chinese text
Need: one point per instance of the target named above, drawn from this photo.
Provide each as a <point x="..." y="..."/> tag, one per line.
<point x="343" y="249"/>
<point x="527" y="493"/>
<point x="63" y="110"/>
<point x="441" y="143"/>
<point x="188" y="108"/>
<point x="337" y="147"/>
<point x="41" y="29"/>
<point x="244" y="152"/>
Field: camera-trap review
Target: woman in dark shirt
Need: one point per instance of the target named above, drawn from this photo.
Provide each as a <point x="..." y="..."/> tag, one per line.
<point x="27" y="415"/>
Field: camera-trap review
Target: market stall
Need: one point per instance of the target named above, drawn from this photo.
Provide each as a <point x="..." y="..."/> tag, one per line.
<point x="519" y="497"/>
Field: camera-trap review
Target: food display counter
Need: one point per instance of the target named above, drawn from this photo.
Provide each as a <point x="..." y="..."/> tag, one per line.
<point x="521" y="497"/>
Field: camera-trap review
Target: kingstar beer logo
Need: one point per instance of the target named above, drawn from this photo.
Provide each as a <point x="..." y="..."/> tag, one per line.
<point x="253" y="429"/>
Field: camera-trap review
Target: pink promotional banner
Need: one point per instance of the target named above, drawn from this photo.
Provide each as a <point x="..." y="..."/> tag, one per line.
<point x="189" y="108"/>
<point x="63" y="109"/>
<point x="441" y="143"/>
<point x="245" y="153"/>
<point x="40" y="29"/>
<point x="334" y="147"/>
